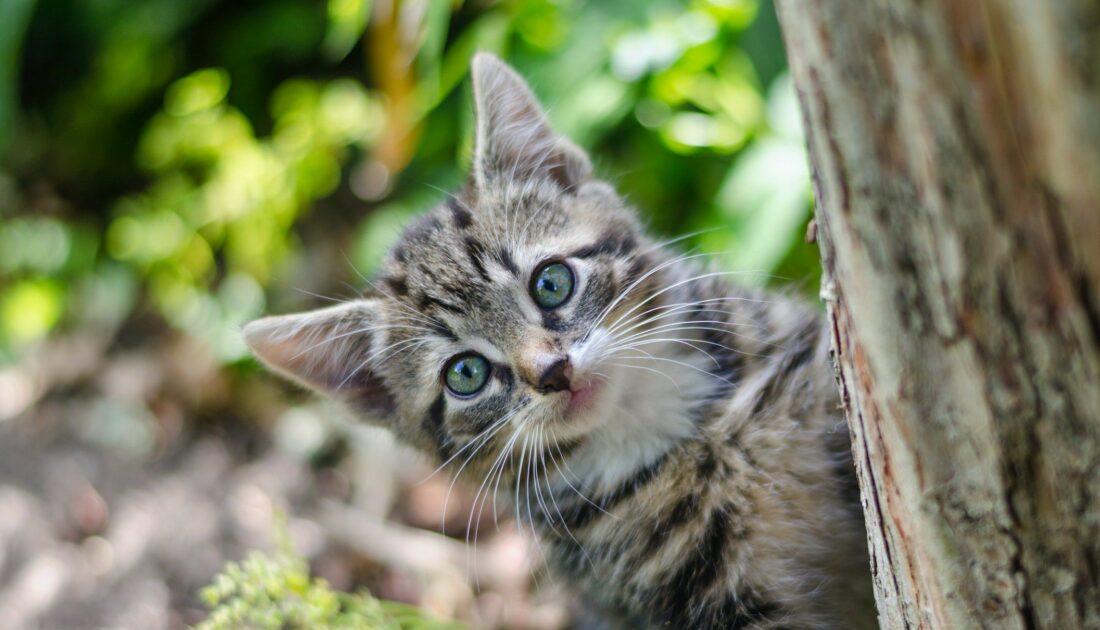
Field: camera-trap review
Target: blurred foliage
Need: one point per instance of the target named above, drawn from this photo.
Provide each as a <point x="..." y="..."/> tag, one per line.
<point x="275" y="591"/>
<point x="172" y="159"/>
<point x="174" y="168"/>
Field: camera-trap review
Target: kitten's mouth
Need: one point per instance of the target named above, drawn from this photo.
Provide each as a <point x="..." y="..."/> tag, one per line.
<point x="584" y="398"/>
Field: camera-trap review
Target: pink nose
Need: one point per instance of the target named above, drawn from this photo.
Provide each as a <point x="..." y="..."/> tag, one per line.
<point x="557" y="377"/>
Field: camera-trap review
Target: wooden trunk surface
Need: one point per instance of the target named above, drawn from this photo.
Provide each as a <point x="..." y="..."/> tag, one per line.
<point x="956" y="151"/>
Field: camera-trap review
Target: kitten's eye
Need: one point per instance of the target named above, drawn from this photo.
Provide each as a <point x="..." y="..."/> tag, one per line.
<point x="552" y="285"/>
<point x="466" y="374"/>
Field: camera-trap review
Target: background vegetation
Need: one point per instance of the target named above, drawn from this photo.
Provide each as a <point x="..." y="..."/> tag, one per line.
<point x="170" y="169"/>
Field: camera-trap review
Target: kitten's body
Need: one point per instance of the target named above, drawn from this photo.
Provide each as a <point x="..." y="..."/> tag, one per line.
<point x="694" y="473"/>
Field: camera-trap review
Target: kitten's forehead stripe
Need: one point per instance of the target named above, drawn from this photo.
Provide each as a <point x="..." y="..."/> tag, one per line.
<point x="427" y="302"/>
<point x="424" y="228"/>
<point x="475" y="252"/>
<point x="506" y="261"/>
<point x="609" y="244"/>
<point x="397" y="285"/>
<point x="444" y="331"/>
<point x="399" y="253"/>
<point x="464" y="291"/>
<point x="462" y="217"/>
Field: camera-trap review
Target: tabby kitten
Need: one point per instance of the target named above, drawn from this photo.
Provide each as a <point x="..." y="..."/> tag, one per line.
<point x="675" y="439"/>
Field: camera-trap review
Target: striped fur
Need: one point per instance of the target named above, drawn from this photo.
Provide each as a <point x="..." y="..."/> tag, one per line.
<point x="708" y="483"/>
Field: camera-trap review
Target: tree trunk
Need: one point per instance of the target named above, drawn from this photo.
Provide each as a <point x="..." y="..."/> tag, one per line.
<point x="956" y="153"/>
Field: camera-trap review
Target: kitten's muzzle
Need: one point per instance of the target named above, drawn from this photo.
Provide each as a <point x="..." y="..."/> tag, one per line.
<point x="557" y="377"/>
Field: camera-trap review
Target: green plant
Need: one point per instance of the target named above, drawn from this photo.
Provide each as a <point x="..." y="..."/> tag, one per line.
<point x="275" y="591"/>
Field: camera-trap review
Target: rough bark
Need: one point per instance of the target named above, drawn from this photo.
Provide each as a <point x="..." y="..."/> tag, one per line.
<point x="956" y="152"/>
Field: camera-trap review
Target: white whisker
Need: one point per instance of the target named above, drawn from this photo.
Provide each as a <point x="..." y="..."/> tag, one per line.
<point x="681" y="363"/>
<point x="622" y="294"/>
<point x="698" y="278"/>
<point x="650" y="369"/>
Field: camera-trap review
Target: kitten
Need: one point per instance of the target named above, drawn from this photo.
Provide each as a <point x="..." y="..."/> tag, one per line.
<point x="676" y="440"/>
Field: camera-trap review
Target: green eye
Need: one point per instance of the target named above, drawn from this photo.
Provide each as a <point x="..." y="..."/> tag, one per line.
<point x="466" y="374"/>
<point x="552" y="285"/>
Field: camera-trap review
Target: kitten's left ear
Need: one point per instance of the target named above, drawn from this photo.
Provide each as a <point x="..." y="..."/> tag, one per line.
<point x="329" y="350"/>
<point x="514" y="140"/>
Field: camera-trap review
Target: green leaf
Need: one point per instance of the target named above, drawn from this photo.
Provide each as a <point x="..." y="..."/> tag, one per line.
<point x="30" y="309"/>
<point x="767" y="194"/>
<point x="276" y="591"/>
<point x="429" y="56"/>
<point x="347" y="20"/>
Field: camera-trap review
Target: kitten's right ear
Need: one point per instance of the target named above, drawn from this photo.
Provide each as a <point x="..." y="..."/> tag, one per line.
<point x="329" y="350"/>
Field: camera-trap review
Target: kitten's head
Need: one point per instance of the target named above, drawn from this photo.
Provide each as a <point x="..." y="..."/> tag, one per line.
<point x="488" y="319"/>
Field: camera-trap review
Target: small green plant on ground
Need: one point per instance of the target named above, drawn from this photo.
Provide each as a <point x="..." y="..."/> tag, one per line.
<point x="275" y="591"/>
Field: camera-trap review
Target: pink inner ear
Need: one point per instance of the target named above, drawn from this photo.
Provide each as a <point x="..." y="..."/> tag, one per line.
<point x="328" y="350"/>
<point x="292" y="346"/>
<point x="321" y="349"/>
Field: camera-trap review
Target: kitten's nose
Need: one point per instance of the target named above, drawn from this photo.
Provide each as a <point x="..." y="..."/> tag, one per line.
<point x="556" y="377"/>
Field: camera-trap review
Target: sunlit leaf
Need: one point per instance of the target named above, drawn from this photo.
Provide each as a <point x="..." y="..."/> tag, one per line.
<point x="200" y="90"/>
<point x="435" y="22"/>
<point x="541" y="23"/>
<point x="487" y="33"/>
<point x="736" y="13"/>
<point x="768" y="195"/>
<point x="347" y="19"/>
<point x="30" y="309"/>
<point x="784" y="115"/>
